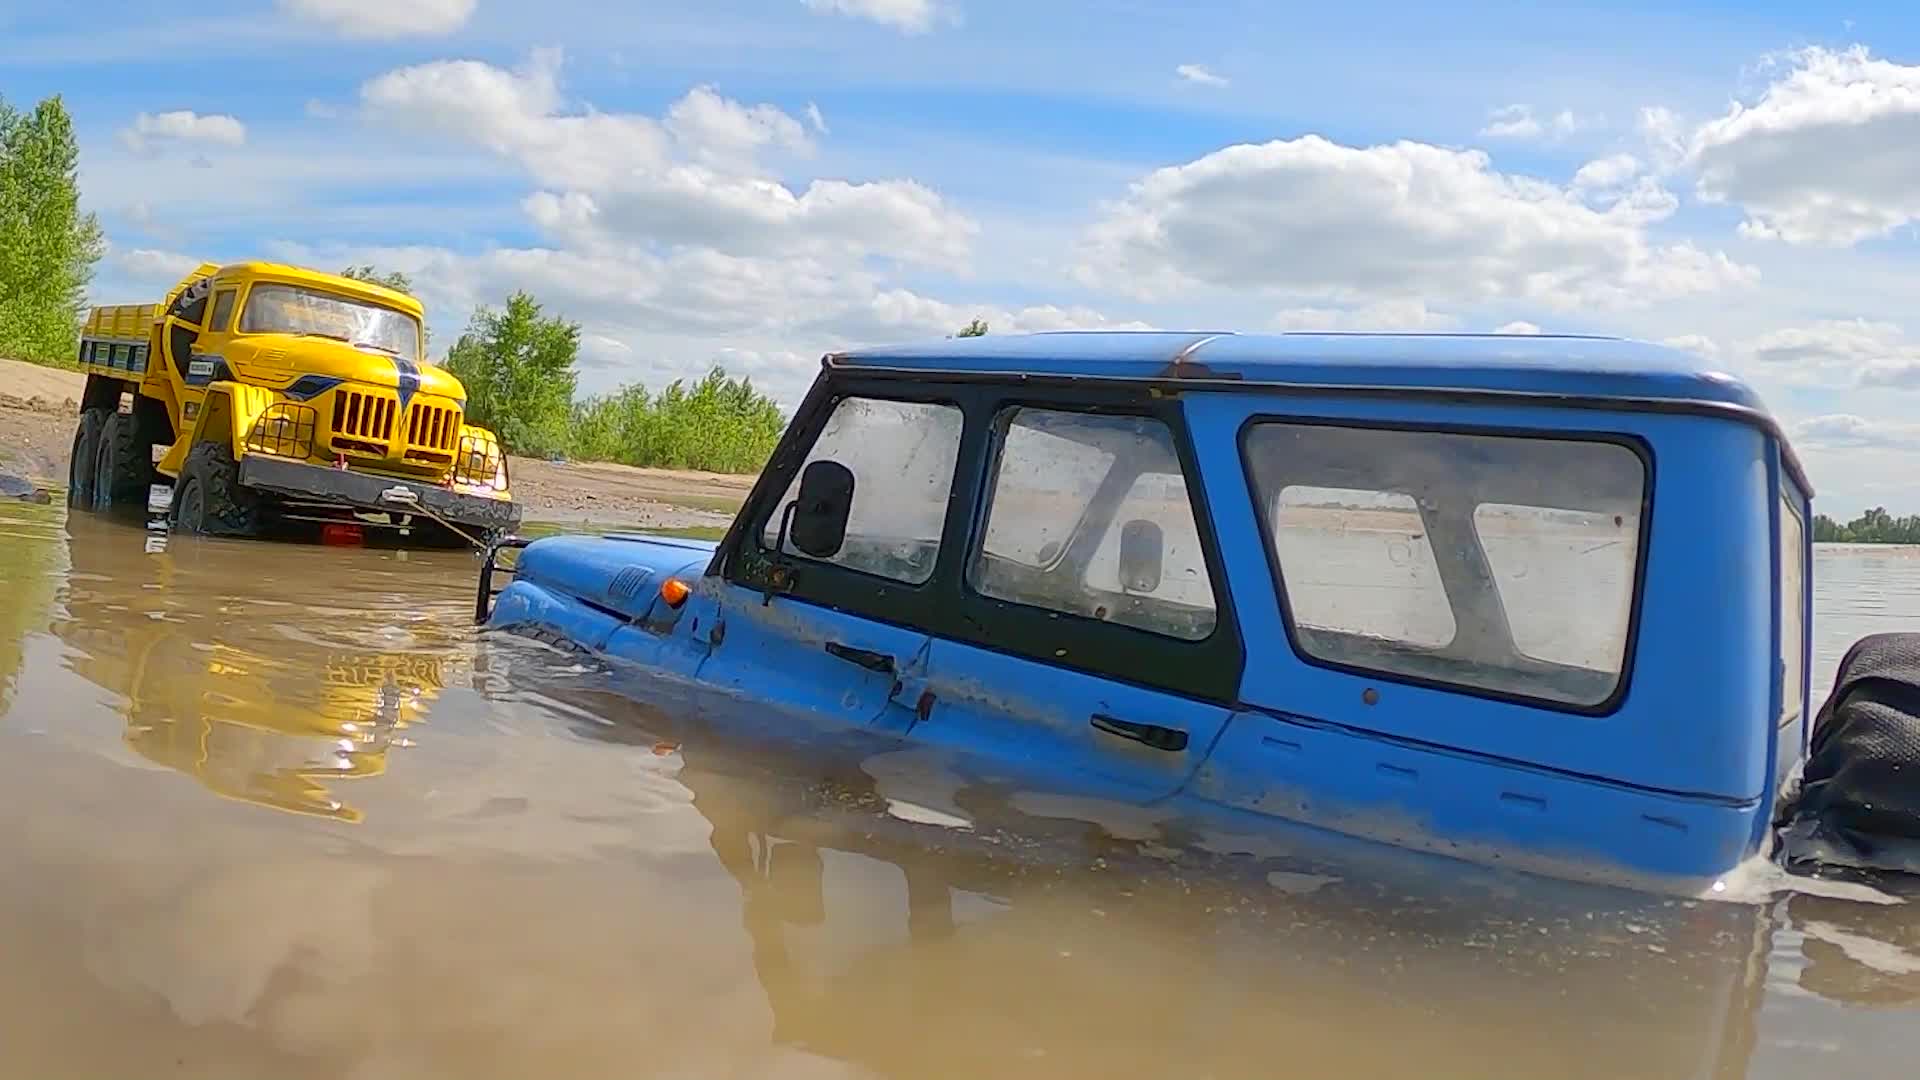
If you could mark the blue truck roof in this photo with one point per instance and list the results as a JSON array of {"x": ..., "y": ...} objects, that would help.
[{"x": 1537, "y": 364}]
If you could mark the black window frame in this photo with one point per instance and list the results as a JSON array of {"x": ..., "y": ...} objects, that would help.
[
  {"x": 945, "y": 606},
  {"x": 1638, "y": 445},
  {"x": 804, "y": 562}
]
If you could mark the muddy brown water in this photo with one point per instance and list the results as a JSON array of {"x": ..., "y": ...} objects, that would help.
[{"x": 277, "y": 811}]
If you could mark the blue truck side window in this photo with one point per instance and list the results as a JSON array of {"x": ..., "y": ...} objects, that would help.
[
  {"x": 902, "y": 455},
  {"x": 1497, "y": 563},
  {"x": 1090, "y": 516},
  {"x": 1793, "y": 612}
]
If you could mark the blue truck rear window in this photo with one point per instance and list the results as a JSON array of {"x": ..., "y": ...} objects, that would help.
[{"x": 1498, "y": 563}]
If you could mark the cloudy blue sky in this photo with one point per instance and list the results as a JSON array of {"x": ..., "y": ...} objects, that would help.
[{"x": 752, "y": 182}]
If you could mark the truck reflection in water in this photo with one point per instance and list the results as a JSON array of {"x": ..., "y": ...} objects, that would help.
[
  {"x": 1051, "y": 949},
  {"x": 224, "y": 691}
]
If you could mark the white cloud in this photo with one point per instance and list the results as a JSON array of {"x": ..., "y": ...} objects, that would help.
[
  {"x": 383, "y": 18},
  {"x": 894, "y": 313},
  {"x": 1662, "y": 130},
  {"x": 1827, "y": 155},
  {"x": 816, "y": 119},
  {"x": 154, "y": 269},
  {"x": 1311, "y": 218},
  {"x": 685, "y": 237},
  {"x": 1698, "y": 344},
  {"x": 1830, "y": 355},
  {"x": 694, "y": 179},
  {"x": 1518, "y": 326},
  {"x": 1519, "y": 122},
  {"x": 727, "y": 132},
  {"x": 1845, "y": 431},
  {"x": 1607, "y": 173},
  {"x": 910, "y": 16},
  {"x": 1387, "y": 315},
  {"x": 1198, "y": 73},
  {"x": 1837, "y": 354},
  {"x": 152, "y": 131}
]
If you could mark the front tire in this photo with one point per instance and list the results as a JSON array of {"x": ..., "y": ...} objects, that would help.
[
  {"x": 208, "y": 498},
  {"x": 123, "y": 465},
  {"x": 81, "y": 460}
]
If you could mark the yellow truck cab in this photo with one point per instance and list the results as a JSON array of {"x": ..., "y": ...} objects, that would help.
[{"x": 286, "y": 400}]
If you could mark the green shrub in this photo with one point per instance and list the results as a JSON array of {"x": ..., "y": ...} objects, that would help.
[{"x": 719, "y": 425}]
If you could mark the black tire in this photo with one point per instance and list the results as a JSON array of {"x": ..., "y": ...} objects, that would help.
[
  {"x": 208, "y": 498},
  {"x": 123, "y": 464},
  {"x": 80, "y": 461}
]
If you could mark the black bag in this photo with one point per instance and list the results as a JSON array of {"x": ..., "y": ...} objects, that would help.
[{"x": 1859, "y": 800}]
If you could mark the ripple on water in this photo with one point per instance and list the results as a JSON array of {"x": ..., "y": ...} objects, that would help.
[{"x": 362, "y": 841}]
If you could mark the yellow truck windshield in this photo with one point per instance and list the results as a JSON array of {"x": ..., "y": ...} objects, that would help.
[{"x": 290, "y": 309}]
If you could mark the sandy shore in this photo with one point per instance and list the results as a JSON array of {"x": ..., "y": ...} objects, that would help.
[{"x": 38, "y": 405}]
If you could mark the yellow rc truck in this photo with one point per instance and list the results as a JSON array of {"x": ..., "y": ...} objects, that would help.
[{"x": 288, "y": 402}]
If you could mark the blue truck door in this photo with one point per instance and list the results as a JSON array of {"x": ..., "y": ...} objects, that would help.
[
  {"x": 1069, "y": 730},
  {"x": 830, "y": 665},
  {"x": 819, "y": 638},
  {"x": 1102, "y": 655}
]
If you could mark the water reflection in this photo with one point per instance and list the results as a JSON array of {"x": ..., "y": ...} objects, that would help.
[
  {"x": 911, "y": 950},
  {"x": 560, "y": 881},
  {"x": 268, "y": 690},
  {"x": 30, "y": 552}
]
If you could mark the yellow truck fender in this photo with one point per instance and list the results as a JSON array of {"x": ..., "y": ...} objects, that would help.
[{"x": 226, "y": 413}]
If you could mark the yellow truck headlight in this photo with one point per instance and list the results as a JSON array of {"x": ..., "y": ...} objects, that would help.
[
  {"x": 479, "y": 463},
  {"x": 284, "y": 430}
]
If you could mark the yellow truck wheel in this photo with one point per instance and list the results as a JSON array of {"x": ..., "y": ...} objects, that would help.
[
  {"x": 80, "y": 462},
  {"x": 208, "y": 498},
  {"x": 123, "y": 463}
]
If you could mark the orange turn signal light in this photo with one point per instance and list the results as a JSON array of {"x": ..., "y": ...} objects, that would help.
[{"x": 674, "y": 592}]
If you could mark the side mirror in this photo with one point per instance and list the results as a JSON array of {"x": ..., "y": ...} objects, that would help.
[
  {"x": 1142, "y": 550},
  {"x": 819, "y": 517}
]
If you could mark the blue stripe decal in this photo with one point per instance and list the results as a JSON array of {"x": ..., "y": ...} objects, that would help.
[
  {"x": 308, "y": 387},
  {"x": 407, "y": 373}
]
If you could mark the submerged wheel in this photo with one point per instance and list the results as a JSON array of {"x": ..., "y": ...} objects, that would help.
[
  {"x": 123, "y": 464},
  {"x": 80, "y": 462},
  {"x": 208, "y": 498}
]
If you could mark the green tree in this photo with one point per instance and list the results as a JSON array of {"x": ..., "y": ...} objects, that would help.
[
  {"x": 48, "y": 248},
  {"x": 976, "y": 328},
  {"x": 517, "y": 366},
  {"x": 394, "y": 280},
  {"x": 719, "y": 424},
  {"x": 1876, "y": 526}
]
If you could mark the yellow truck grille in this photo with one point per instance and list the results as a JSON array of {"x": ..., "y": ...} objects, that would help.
[
  {"x": 423, "y": 434},
  {"x": 433, "y": 428},
  {"x": 363, "y": 417}
]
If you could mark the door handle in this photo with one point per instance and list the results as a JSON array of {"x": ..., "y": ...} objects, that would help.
[
  {"x": 1171, "y": 740},
  {"x": 866, "y": 658}
]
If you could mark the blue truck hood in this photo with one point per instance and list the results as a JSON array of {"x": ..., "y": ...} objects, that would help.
[{"x": 621, "y": 572}]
